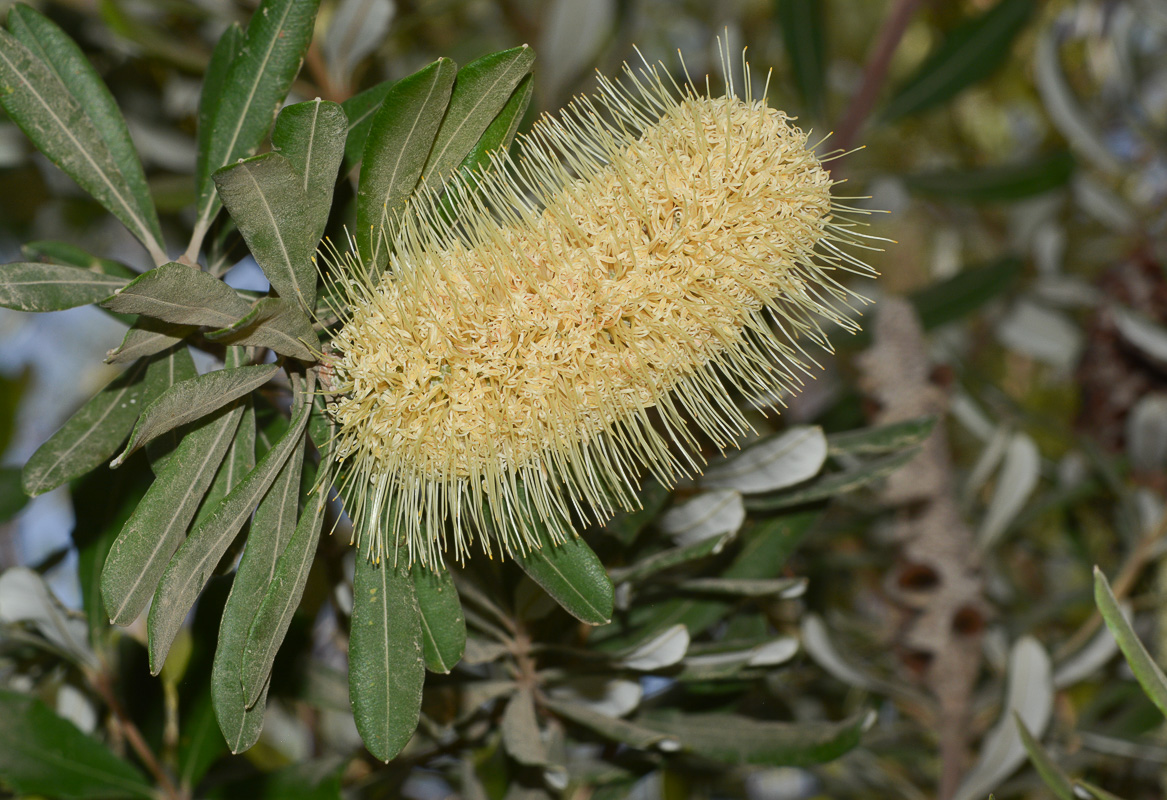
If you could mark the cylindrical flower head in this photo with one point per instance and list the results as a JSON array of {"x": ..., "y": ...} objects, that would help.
[{"x": 601, "y": 297}]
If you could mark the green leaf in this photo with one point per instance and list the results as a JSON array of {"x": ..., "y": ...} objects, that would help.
[
  {"x": 969, "y": 54},
  {"x": 165, "y": 371},
  {"x": 442, "y": 624},
  {"x": 146, "y": 337},
  {"x": 396, "y": 150},
  {"x": 281, "y": 598},
  {"x": 275, "y": 323},
  {"x": 253, "y": 89},
  {"x": 482, "y": 89},
  {"x": 193, "y": 399},
  {"x": 240, "y": 713},
  {"x": 501, "y": 132},
  {"x": 626, "y": 526},
  {"x": 155, "y": 530},
  {"x": 572, "y": 574},
  {"x": 312, "y": 136},
  {"x": 1003, "y": 184},
  {"x": 192, "y": 566},
  {"x": 1097, "y": 792},
  {"x": 733, "y": 739},
  {"x": 226, "y": 50},
  {"x": 1051, "y": 774},
  {"x": 804, "y": 32},
  {"x": 42, "y": 106},
  {"x": 952, "y": 299},
  {"x": 71, "y": 255},
  {"x": 744, "y": 587},
  {"x": 239, "y": 461},
  {"x": 199, "y": 742},
  {"x": 91, "y": 435},
  {"x": 12, "y": 497},
  {"x": 265, "y": 198},
  {"x": 34, "y": 286},
  {"x": 386, "y": 667},
  {"x": 831, "y": 485},
  {"x": 62, "y": 55},
  {"x": 109, "y": 499},
  {"x": 667, "y": 559},
  {"x": 42, "y": 754},
  {"x": 881, "y": 438},
  {"x": 1147, "y": 672},
  {"x": 360, "y": 110},
  {"x": 177, "y": 293},
  {"x": 613, "y": 728}
]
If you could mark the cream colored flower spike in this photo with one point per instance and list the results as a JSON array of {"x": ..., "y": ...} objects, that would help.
[{"x": 647, "y": 253}]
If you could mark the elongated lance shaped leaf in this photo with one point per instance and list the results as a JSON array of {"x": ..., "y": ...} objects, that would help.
[
  {"x": 572, "y": 574},
  {"x": 34, "y": 286},
  {"x": 275, "y": 323},
  {"x": 279, "y": 602},
  {"x": 188, "y": 572},
  {"x": 611, "y": 728},
  {"x": 226, "y": 50},
  {"x": 360, "y": 110},
  {"x": 62, "y": 55},
  {"x": 146, "y": 337},
  {"x": 265, "y": 198},
  {"x": 1001, "y": 184},
  {"x": 180, "y": 294},
  {"x": 481, "y": 90},
  {"x": 386, "y": 667},
  {"x": 92, "y": 435},
  {"x": 167, "y": 370},
  {"x": 1147, "y": 672},
  {"x": 239, "y": 461},
  {"x": 194, "y": 398},
  {"x": 501, "y": 131},
  {"x": 311, "y": 136},
  {"x": 253, "y": 89},
  {"x": 70, "y": 255},
  {"x": 969, "y": 54},
  {"x": 43, "y": 107},
  {"x": 240, "y": 715},
  {"x": 155, "y": 530},
  {"x": 442, "y": 624},
  {"x": 396, "y": 150},
  {"x": 804, "y": 31}
]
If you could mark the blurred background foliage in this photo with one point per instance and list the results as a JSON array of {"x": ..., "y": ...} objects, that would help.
[{"x": 1019, "y": 150}]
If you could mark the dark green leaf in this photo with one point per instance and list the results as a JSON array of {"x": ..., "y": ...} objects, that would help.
[
  {"x": 193, "y": 399},
  {"x": 572, "y": 574},
  {"x": 396, "y": 150},
  {"x": 91, "y": 435},
  {"x": 360, "y": 110},
  {"x": 239, "y": 461},
  {"x": 481, "y": 91},
  {"x": 969, "y": 54},
  {"x": 310, "y": 780},
  {"x": 192, "y": 566},
  {"x": 1147, "y": 672},
  {"x": 177, "y": 293},
  {"x": 442, "y": 624},
  {"x": 827, "y": 486},
  {"x": 146, "y": 337},
  {"x": 36, "y": 286},
  {"x": 155, "y": 530},
  {"x": 282, "y": 597},
  {"x": 627, "y": 525},
  {"x": 165, "y": 371},
  {"x": 804, "y": 32},
  {"x": 253, "y": 89},
  {"x": 42, "y": 754},
  {"x": 613, "y": 728},
  {"x": 12, "y": 496},
  {"x": 240, "y": 714},
  {"x": 62, "y": 55},
  {"x": 667, "y": 559},
  {"x": 386, "y": 667},
  {"x": 71, "y": 255},
  {"x": 1051, "y": 774},
  {"x": 881, "y": 439},
  {"x": 312, "y": 135},
  {"x": 43, "y": 107},
  {"x": 275, "y": 323},
  {"x": 963, "y": 293},
  {"x": 265, "y": 198},
  {"x": 733, "y": 739},
  {"x": 226, "y": 50},
  {"x": 1004, "y": 184},
  {"x": 501, "y": 132}
]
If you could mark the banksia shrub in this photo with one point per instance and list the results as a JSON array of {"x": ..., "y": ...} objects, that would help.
[{"x": 513, "y": 349}]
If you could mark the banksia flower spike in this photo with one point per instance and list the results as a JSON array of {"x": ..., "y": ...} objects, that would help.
[{"x": 590, "y": 314}]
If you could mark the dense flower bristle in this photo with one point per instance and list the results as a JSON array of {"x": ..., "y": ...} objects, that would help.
[{"x": 651, "y": 249}]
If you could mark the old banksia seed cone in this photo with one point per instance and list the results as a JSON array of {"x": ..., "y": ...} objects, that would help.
[{"x": 645, "y": 254}]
